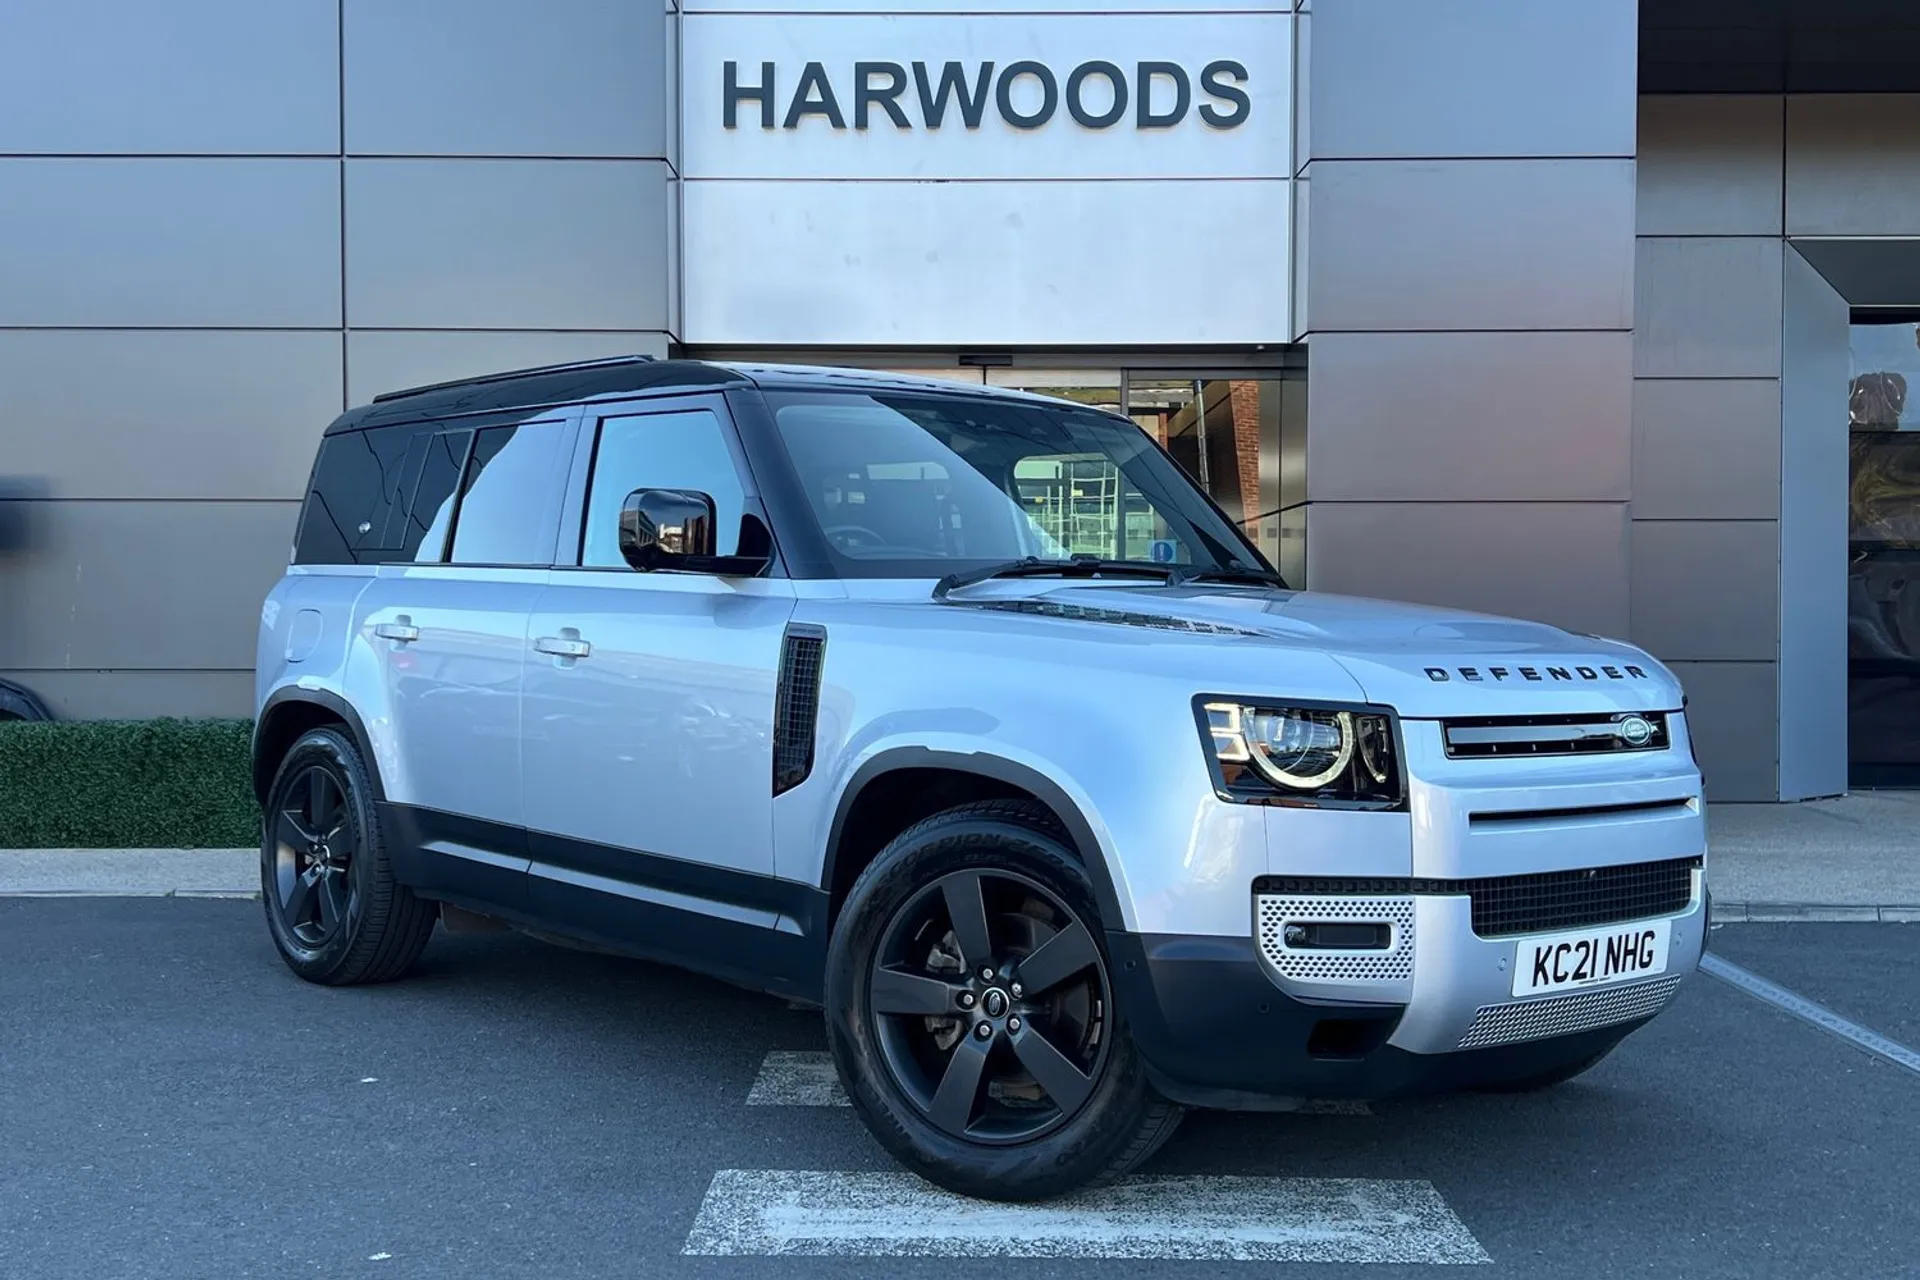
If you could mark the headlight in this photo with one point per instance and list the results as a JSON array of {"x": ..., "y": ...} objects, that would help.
[{"x": 1304, "y": 755}]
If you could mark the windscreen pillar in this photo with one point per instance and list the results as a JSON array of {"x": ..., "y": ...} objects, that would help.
[{"x": 1464, "y": 249}]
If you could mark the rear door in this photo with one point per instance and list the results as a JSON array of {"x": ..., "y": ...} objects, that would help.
[
  {"x": 445, "y": 625},
  {"x": 650, "y": 700}
]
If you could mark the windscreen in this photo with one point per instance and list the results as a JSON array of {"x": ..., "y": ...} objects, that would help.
[{"x": 921, "y": 484}]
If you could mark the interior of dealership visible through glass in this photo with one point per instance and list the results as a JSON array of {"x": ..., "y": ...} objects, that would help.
[{"x": 1883, "y": 614}]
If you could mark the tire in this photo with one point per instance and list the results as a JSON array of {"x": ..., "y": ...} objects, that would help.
[
  {"x": 337, "y": 915},
  {"x": 995, "y": 1140},
  {"x": 1547, "y": 1079},
  {"x": 19, "y": 703}
]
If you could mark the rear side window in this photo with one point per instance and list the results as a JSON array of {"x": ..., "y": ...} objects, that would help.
[
  {"x": 358, "y": 482},
  {"x": 507, "y": 504},
  {"x": 424, "y": 495},
  {"x": 430, "y": 515}
]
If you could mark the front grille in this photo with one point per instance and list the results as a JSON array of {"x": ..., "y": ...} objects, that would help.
[
  {"x": 1509, "y": 905},
  {"x": 1395, "y": 964},
  {"x": 1497, "y": 1024},
  {"x": 1505, "y": 737},
  {"x": 1506, "y": 906}
]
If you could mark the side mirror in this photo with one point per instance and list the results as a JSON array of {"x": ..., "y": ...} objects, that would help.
[{"x": 667, "y": 529}]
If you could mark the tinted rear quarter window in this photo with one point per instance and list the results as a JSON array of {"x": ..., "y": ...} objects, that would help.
[{"x": 358, "y": 480}]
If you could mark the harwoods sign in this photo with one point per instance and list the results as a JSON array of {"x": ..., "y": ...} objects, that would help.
[{"x": 1026, "y": 94}]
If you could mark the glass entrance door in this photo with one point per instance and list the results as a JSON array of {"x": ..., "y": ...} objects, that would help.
[{"x": 1883, "y": 573}]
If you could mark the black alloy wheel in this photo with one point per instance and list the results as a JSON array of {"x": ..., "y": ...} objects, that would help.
[
  {"x": 313, "y": 853},
  {"x": 973, "y": 1017},
  {"x": 991, "y": 1001},
  {"x": 337, "y": 914}
]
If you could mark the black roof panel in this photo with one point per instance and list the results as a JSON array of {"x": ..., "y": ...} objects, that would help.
[{"x": 593, "y": 379}]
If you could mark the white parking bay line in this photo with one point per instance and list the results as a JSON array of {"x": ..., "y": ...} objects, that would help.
[
  {"x": 806, "y": 1078},
  {"x": 797, "y": 1078},
  {"x": 1819, "y": 1015},
  {"x": 768, "y": 1213}
]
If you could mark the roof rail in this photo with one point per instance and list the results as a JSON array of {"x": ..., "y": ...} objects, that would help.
[{"x": 570, "y": 366}]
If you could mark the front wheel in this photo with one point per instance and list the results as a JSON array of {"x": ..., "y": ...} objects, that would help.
[{"x": 973, "y": 1017}]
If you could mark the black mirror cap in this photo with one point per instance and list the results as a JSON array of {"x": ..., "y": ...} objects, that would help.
[{"x": 674, "y": 529}]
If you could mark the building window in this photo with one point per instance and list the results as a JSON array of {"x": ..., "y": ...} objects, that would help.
[{"x": 1883, "y": 575}]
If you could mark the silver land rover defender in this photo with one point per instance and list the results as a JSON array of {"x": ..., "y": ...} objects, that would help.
[{"x": 965, "y": 715}]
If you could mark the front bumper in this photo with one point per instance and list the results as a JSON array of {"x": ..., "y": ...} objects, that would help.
[{"x": 1219, "y": 1024}]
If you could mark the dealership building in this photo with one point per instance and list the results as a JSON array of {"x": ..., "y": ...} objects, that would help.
[{"x": 1599, "y": 312}]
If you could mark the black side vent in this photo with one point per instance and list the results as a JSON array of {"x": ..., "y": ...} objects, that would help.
[{"x": 796, "y": 704}]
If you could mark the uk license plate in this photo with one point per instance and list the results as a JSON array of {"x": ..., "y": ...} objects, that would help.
[{"x": 1590, "y": 957}]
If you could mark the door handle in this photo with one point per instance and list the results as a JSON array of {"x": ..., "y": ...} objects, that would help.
[
  {"x": 568, "y": 646},
  {"x": 402, "y": 630}
]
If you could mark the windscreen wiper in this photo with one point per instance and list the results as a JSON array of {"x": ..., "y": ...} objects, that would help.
[
  {"x": 1235, "y": 572},
  {"x": 1035, "y": 567}
]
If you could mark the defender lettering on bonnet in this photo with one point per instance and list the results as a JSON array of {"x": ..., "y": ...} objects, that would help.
[{"x": 1537, "y": 675}]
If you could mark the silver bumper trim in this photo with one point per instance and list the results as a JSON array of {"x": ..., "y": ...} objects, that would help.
[{"x": 1496, "y": 1024}]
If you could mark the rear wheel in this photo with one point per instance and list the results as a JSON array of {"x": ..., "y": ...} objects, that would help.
[
  {"x": 973, "y": 1019},
  {"x": 336, "y": 913}
]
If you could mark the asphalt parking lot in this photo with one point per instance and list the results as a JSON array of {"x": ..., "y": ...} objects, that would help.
[{"x": 177, "y": 1104}]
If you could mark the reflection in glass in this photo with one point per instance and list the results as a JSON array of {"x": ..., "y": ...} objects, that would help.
[
  {"x": 1883, "y": 613},
  {"x": 1226, "y": 433}
]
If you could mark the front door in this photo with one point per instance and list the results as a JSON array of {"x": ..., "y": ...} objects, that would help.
[{"x": 648, "y": 705}]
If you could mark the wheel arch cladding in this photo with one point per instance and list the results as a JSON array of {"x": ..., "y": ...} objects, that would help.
[
  {"x": 898, "y": 788},
  {"x": 292, "y": 713}
]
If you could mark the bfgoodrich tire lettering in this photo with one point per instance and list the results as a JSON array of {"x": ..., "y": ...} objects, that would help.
[
  {"x": 335, "y": 911},
  {"x": 1050, "y": 1096}
]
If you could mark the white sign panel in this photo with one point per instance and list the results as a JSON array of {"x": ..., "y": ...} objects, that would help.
[
  {"x": 997, "y": 179},
  {"x": 1047, "y": 96},
  {"x": 986, "y": 263}
]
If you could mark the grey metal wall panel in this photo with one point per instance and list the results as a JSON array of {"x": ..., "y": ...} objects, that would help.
[
  {"x": 506, "y": 77},
  {"x": 163, "y": 242},
  {"x": 1495, "y": 244},
  {"x": 140, "y": 695},
  {"x": 1853, "y": 165},
  {"x": 146, "y": 585},
  {"x": 1302, "y": 87},
  {"x": 1733, "y": 710},
  {"x": 182, "y": 78},
  {"x": 1562, "y": 563},
  {"x": 1292, "y": 558},
  {"x": 507, "y": 244},
  {"x": 1706, "y": 590},
  {"x": 1412, "y": 78},
  {"x": 670, "y": 86},
  {"x": 1710, "y": 165},
  {"x": 167, "y": 413},
  {"x": 1813, "y": 536},
  {"x": 380, "y": 360},
  {"x": 1300, "y": 203},
  {"x": 1706, "y": 449},
  {"x": 1296, "y": 401},
  {"x": 1471, "y": 416},
  {"x": 1708, "y": 308}
]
